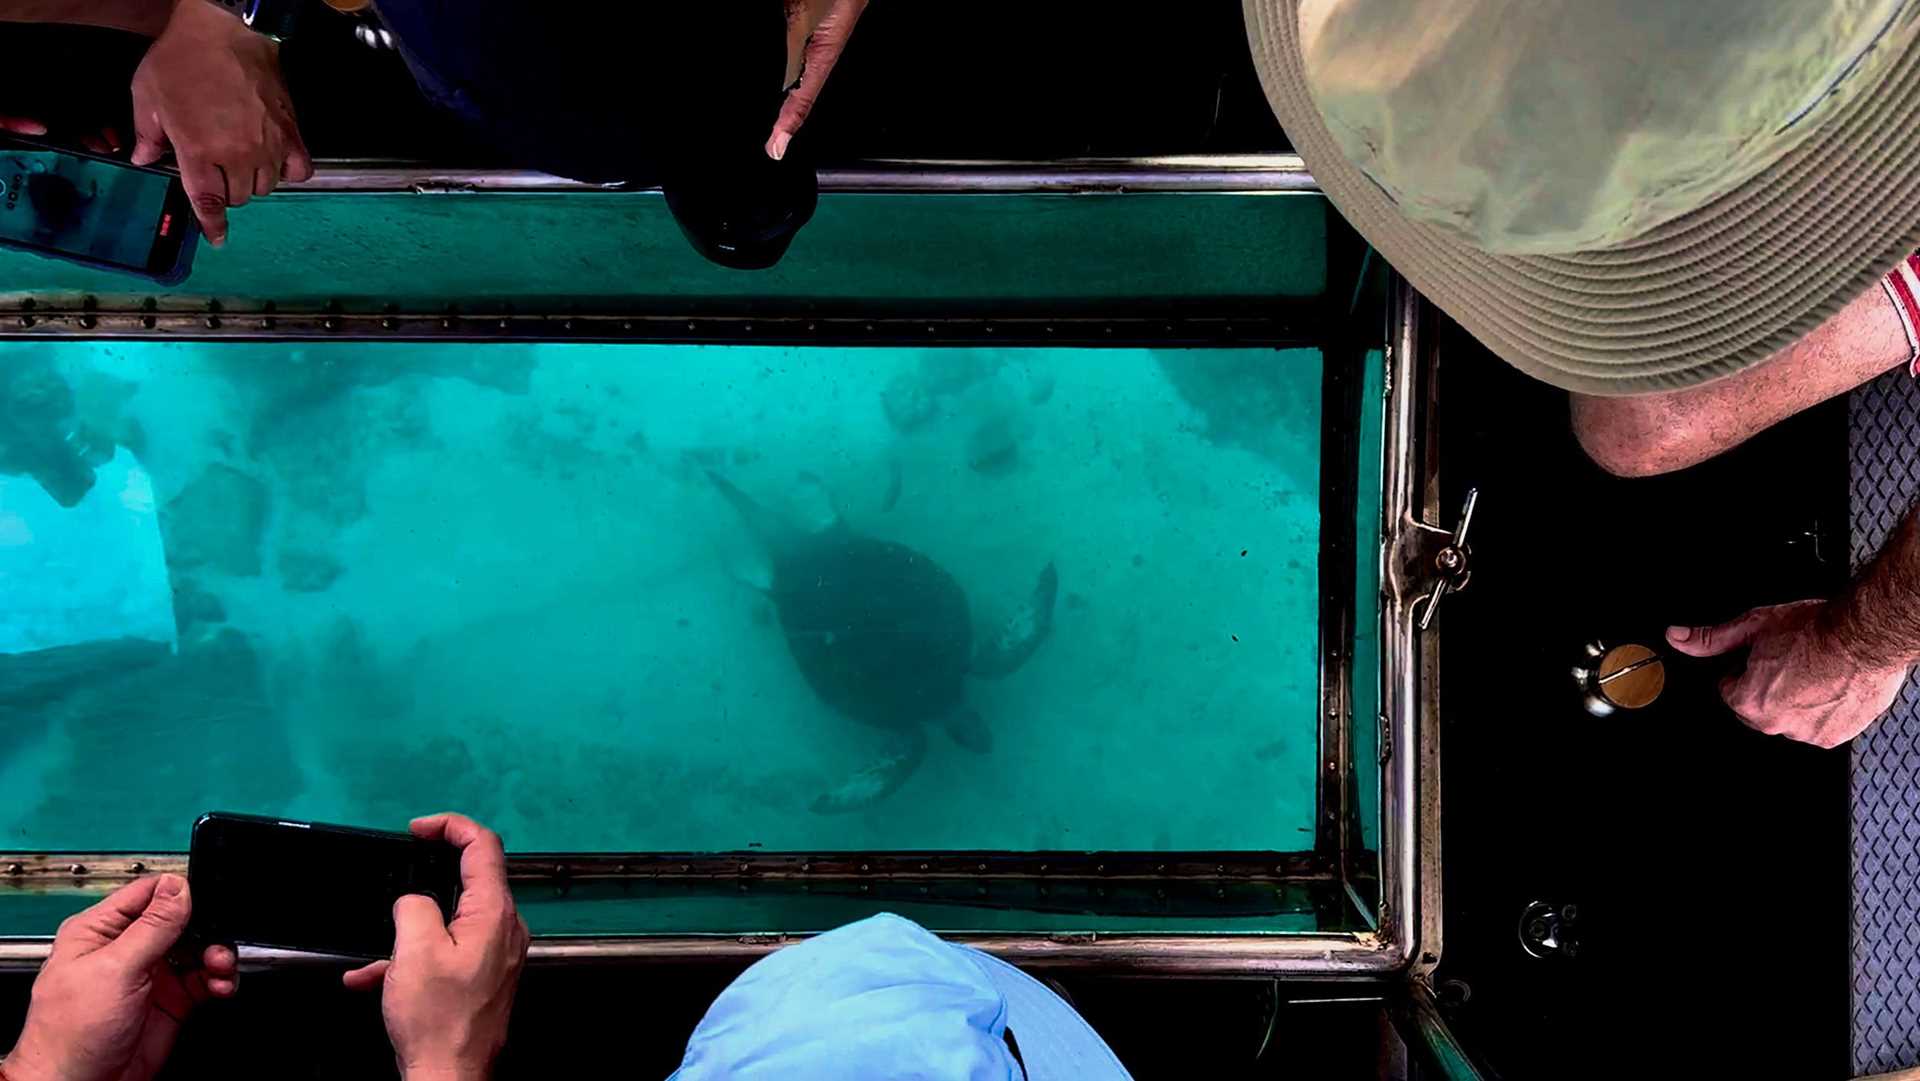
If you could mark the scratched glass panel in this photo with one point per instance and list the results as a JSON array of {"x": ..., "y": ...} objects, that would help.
[{"x": 661, "y": 597}]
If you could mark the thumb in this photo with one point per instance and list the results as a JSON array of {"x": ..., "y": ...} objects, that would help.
[
  {"x": 417, "y": 925},
  {"x": 366, "y": 977},
  {"x": 1715, "y": 640},
  {"x": 148, "y": 938}
]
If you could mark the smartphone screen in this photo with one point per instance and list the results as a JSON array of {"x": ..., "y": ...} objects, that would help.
[
  {"x": 92, "y": 209},
  {"x": 308, "y": 886}
]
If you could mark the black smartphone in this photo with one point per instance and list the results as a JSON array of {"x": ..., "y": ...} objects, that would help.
[
  {"x": 309, "y": 886},
  {"x": 95, "y": 211}
]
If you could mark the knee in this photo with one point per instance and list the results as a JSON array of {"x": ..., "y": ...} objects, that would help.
[{"x": 1629, "y": 437}]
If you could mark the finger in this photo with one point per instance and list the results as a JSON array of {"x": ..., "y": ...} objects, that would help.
[
  {"x": 206, "y": 186},
  {"x": 298, "y": 166},
  {"x": 112, "y": 135},
  {"x": 1722, "y": 638},
  {"x": 153, "y": 932},
  {"x": 106, "y": 920},
  {"x": 264, "y": 180},
  {"x": 822, "y": 53},
  {"x": 417, "y": 925},
  {"x": 366, "y": 977},
  {"x": 20, "y": 125},
  {"x": 483, "y": 864},
  {"x": 220, "y": 961},
  {"x": 96, "y": 143},
  {"x": 201, "y": 985},
  {"x": 239, "y": 182}
]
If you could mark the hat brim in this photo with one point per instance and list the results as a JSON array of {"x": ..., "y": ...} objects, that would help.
[
  {"x": 1056, "y": 1043},
  {"x": 1707, "y": 295}
]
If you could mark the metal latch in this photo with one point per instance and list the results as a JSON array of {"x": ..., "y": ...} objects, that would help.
[{"x": 1447, "y": 568}]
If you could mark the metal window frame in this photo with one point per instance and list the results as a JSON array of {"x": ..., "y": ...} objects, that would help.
[
  {"x": 1407, "y": 934},
  {"x": 1212, "y": 174}
]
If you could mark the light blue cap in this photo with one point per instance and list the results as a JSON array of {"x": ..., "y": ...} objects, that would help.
[{"x": 886, "y": 998}]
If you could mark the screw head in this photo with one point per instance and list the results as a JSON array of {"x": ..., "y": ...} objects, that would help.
[{"x": 1537, "y": 931}]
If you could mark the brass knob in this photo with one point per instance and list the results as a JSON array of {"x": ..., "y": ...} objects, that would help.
[{"x": 1621, "y": 677}]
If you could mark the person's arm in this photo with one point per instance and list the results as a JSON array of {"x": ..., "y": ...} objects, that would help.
[
  {"x": 1658, "y": 433},
  {"x": 1822, "y": 671},
  {"x": 144, "y": 17},
  {"x": 817, "y": 33},
  {"x": 448, "y": 990},
  {"x": 209, "y": 89},
  {"x": 1878, "y": 623}
]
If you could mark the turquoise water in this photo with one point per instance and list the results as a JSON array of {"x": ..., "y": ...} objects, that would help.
[{"x": 390, "y": 579}]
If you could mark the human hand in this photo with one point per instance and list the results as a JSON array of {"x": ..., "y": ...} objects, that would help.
[
  {"x": 448, "y": 990},
  {"x": 211, "y": 88},
  {"x": 1801, "y": 680},
  {"x": 107, "y": 1005},
  {"x": 818, "y": 33}
]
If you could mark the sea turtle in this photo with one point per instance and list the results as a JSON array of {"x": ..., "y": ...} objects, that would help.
[{"x": 883, "y": 634}]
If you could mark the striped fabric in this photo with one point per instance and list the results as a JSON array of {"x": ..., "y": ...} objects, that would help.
[{"x": 1903, "y": 288}]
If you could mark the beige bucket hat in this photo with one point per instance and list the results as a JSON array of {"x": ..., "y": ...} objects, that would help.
[{"x": 1615, "y": 197}]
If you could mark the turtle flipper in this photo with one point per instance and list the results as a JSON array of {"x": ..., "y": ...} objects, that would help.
[
  {"x": 1011, "y": 643},
  {"x": 878, "y": 779}
]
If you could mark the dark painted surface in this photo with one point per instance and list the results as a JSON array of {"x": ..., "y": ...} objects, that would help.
[
  {"x": 994, "y": 80},
  {"x": 619, "y": 1022},
  {"x": 1709, "y": 863}
]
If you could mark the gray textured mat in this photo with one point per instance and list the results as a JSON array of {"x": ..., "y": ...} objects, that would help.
[{"x": 1885, "y": 440}]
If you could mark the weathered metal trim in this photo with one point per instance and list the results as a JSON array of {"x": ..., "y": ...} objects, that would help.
[
  {"x": 1329, "y": 955},
  {"x": 101, "y": 871},
  {"x": 1244, "y": 174},
  {"x": 137, "y": 317},
  {"x": 1345, "y": 956},
  {"x": 1339, "y": 472},
  {"x": 1428, "y": 1034},
  {"x": 1410, "y": 813}
]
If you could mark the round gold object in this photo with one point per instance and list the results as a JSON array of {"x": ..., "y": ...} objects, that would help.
[{"x": 1630, "y": 677}]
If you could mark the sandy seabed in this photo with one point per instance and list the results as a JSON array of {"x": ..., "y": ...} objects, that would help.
[{"x": 495, "y": 578}]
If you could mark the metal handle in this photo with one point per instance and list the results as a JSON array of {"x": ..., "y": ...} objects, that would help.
[{"x": 1452, "y": 564}]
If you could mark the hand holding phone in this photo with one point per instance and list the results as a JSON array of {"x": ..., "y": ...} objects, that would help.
[
  {"x": 107, "y": 1004},
  {"x": 310, "y": 886},
  {"x": 211, "y": 88},
  {"x": 448, "y": 990}
]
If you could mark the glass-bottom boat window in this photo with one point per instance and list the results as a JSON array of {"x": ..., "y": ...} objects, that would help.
[{"x": 662, "y": 598}]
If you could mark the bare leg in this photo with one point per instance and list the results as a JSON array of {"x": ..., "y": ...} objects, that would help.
[{"x": 1659, "y": 433}]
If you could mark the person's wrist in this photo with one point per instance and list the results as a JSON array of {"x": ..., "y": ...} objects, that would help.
[
  {"x": 1852, "y": 635},
  {"x": 444, "y": 1073},
  {"x": 25, "y": 1063}
]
